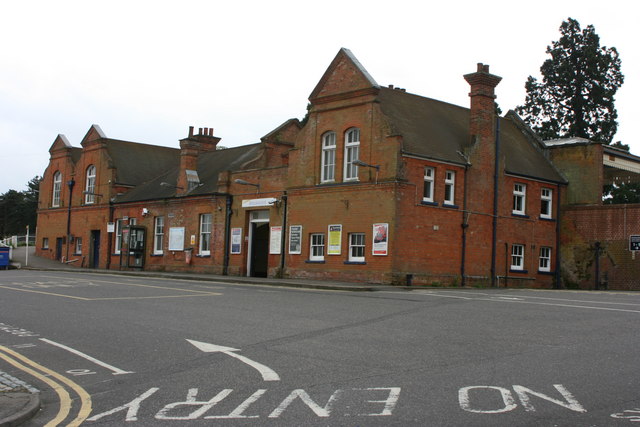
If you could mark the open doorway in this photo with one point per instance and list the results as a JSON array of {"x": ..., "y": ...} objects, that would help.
[{"x": 259, "y": 244}]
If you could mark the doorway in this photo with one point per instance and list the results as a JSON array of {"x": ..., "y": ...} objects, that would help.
[
  {"x": 59, "y": 242},
  {"x": 259, "y": 244},
  {"x": 94, "y": 254}
]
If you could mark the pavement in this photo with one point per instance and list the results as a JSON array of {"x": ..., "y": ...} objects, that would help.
[{"x": 19, "y": 401}]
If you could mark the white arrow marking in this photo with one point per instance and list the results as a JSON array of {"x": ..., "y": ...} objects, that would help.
[{"x": 267, "y": 373}]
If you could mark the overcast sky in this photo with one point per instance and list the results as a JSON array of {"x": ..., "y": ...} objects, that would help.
[{"x": 147, "y": 70}]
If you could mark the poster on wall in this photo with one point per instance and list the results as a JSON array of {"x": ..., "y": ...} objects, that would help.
[
  {"x": 275, "y": 240},
  {"x": 295, "y": 239},
  {"x": 176, "y": 239},
  {"x": 634, "y": 243},
  {"x": 236, "y": 240},
  {"x": 380, "y": 239},
  {"x": 335, "y": 239}
]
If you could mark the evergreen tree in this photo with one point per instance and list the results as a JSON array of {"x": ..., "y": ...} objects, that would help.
[
  {"x": 19, "y": 209},
  {"x": 579, "y": 82}
]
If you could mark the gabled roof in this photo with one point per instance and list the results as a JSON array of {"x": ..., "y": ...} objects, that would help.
[
  {"x": 440, "y": 131},
  {"x": 345, "y": 74},
  {"x": 210, "y": 164}
]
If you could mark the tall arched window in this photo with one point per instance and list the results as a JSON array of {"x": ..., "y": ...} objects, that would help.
[
  {"x": 328, "y": 157},
  {"x": 57, "y": 188},
  {"x": 351, "y": 153},
  {"x": 90, "y": 186}
]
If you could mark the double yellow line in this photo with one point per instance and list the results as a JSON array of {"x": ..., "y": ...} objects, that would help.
[{"x": 49, "y": 377}]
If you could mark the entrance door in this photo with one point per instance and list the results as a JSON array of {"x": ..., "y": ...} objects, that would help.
[
  {"x": 58, "y": 248},
  {"x": 259, "y": 249},
  {"x": 94, "y": 256}
]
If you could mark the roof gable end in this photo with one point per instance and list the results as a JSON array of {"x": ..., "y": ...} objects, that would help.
[
  {"x": 94, "y": 134},
  {"x": 345, "y": 74}
]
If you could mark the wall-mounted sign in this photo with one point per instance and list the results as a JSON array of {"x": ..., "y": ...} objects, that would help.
[
  {"x": 236, "y": 240},
  {"x": 275, "y": 240},
  {"x": 335, "y": 239},
  {"x": 634, "y": 243},
  {"x": 380, "y": 239},
  {"x": 255, "y": 203},
  {"x": 295, "y": 239},
  {"x": 111, "y": 227},
  {"x": 176, "y": 239}
]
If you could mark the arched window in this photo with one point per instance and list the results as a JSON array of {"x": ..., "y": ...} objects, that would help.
[
  {"x": 57, "y": 188},
  {"x": 351, "y": 153},
  {"x": 90, "y": 186},
  {"x": 328, "y": 157}
]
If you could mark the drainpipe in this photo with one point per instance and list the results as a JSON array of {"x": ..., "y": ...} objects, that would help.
[
  {"x": 284, "y": 233},
  {"x": 495, "y": 204},
  {"x": 465, "y": 223},
  {"x": 597, "y": 250},
  {"x": 558, "y": 285},
  {"x": 70, "y": 184},
  {"x": 227, "y": 235}
]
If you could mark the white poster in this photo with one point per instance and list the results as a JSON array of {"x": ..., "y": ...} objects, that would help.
[
  {"x": 236, "y": 240},
  {"x": 380, "y": 239},
  {"x": 176, "y": 238},
  {"x": 275, "y": 241}
]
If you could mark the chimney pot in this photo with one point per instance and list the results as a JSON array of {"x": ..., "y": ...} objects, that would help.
[
  {"x": 199, "y": 131},
  {"x": 210, "y": 131},
  {"x": 190, "y": 131}
]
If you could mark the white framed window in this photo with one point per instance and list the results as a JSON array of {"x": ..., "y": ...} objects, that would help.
[
  {"x": 205, "y": 234},
  {"x": 546, "y": 205},
  {"x": 544, "y": 263},
  {"x": 427, "y": 192},
  {"x": 77, "y": 250},
  {"x": 118, "y": 237},
  {"x": 519, "y": 198},
  {"x": 57, "y": 188},
  {"x": 356, "y": 247},
  {"x": 316, "y": 251},
  {"x": 517, "y": 257},
  {"x": 45, "y": 243},
  {"x": 351, "y": 154},
  {"x": 90, "y": 185},
  {"x": 449, "y": 188},
  {"x": 328, "y": 173},
  {"x": 158, "y": 235}
]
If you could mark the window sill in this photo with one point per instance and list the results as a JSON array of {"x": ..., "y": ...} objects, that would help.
[
  {"x": 203, "y": 255},
  {"x": 449, "y": 205},
  {"x": 543, "y": 218},
  {"x": 162, "y": 254},
  {"x": 511, "y": 270},
  {"x": 309, "y": 261},
  {"x": 519, "y": 215},
  {"x": 546, "y": 273},
  {"x": 426, "y": 203},
  {"x": 355, "y": 263}
]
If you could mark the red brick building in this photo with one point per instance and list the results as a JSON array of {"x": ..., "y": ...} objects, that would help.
[{"x": 375, "y": 184}]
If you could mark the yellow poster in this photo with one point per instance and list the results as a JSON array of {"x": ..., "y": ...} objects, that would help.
[{"x": 335, "y": 239}]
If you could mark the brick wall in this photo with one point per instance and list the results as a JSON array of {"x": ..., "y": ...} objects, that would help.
[{"x": 611, "y": 226}]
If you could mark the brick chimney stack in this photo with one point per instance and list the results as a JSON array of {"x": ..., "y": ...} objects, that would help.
[
  {"x": 483, "y": 110},
  {"x": 190, "y": 149}
]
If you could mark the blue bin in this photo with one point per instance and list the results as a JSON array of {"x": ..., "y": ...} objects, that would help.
[{"x": 4, "y": 257}]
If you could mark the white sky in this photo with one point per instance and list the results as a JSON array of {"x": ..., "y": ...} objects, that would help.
[{"x": 147, "y": 70}]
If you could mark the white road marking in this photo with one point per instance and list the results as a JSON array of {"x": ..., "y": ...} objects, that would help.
[
  {"x": 116, "y": 371},
  {"x": 267, "y": 373}
]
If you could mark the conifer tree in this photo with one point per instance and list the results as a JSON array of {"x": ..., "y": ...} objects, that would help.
[{"x": 576, "y": 95}]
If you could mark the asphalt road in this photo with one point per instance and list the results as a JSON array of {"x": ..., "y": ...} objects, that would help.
[{"x": 153, "y": 351}]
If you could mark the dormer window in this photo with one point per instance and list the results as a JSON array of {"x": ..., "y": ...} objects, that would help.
[
  {"x": 351, "y": 154},
  {"x": 57, "y": 188},
  {"x": 328, "y": 172},
  {"x": 90, "y": 186},
  {"x": 192, "y": 180}
]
